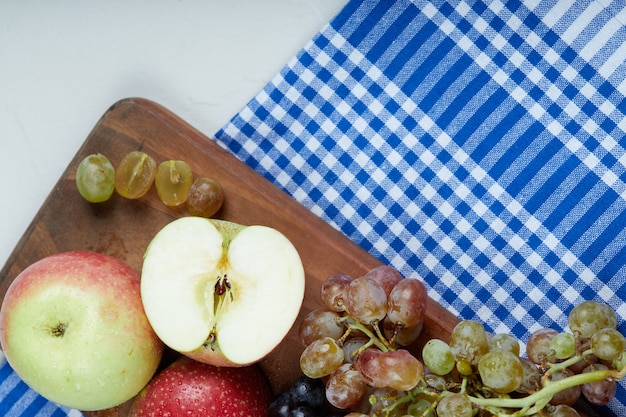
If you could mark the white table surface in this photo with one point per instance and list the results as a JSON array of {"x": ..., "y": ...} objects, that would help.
[{"x": 62, "y": 64}]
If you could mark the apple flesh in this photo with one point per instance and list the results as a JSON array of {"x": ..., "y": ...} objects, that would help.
[
  {"x": 72, "y": 326},
  {"x": 219, "y": 292},
  {"x": 192, "y": 388}
]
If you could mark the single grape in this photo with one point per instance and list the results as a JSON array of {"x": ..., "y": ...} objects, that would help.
[
  {"x": 599, "y": 392},
  {"x": 345, "y": 387},
  {"x": 135, "y": 175},
  {"x": 302, "y": 411},
  {"x": 366, "y": 300},
  {"x": 607, "y": 343},
  {"x": 400, "y": 335},
  {"x": 407, "y": 302},
  {"x": 206, "y": 197},
  {"x": 588, "y": 317},
  {"x": 401, "y": 370},
  {"x": 538, "y": 345},
  {"x": 320, "y": 323},
  {"x": 369, "y": 366},
  {"x": 468, "y": 343},
  {"x": 438, "y": 357},
  {"x": 334, "y": 290},
  {"x": 501, "y": 371},
  {"x": 568, "y": 396},
  {"x": 531, "y": 380},
  {"x": 306, "y": 391},
  {"x": 173, "y": 181},
  {"x": 279, "y": 407},
  {"x": 95, "y": 178},
  {"x": 455, "y": 405},
  {"x": 563, "y": 411},
  {"x": 321, "y": 358},
  {"x": 504, "y": 341},
  {"x": 620, "y": 361},
  {"x": 421, "y": 406},
  {"x": 387, "y": 276},
  {"x": 563, "y": 345},
  {"x": 384, "y": 397},
  {"x": 352, "y": 347},
  {"x": 437, "y": 382}
]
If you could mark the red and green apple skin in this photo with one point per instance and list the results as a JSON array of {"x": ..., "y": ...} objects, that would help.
[{"x": 73, "y": 327}]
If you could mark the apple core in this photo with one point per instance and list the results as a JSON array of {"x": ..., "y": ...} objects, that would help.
[{"x": 227, "y": 290}]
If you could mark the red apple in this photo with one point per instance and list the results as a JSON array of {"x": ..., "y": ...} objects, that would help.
[
  {"x": 191, "y": 388},
  {"x": 72, "y": 326}
]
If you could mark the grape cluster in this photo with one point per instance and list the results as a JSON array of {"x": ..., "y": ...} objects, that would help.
[
  {"x": 97, "y": 179},
  {"x": 305, "y": 398},
  {"x": 357, "y": 345},
  {"x": 355, "y": 341}
]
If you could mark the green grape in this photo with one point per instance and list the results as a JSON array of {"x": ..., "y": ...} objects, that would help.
[
  {"x": 607, "y": 344},
  {"x": 135, "y": 175},
  {"x": 455, "y": 405},
  {"x": 421, "y": 406},
  {"x": 590, "y": 316},
  {"x": 95, "y": 178},
  {"x": 468, "y": 343},
  {"x": 563, "y": 411},
  {"x": 173, "y": 181},
  {"x": 620, "y": 361},
  {"x": 206, "y": 197},
  {"x": 504, "y": 341},
  {"x": 321, "y": 358},
  {"x": 437, "y": 357},
  {"x": 563, "y": 345},
  {"x": 501, "y": 371}
]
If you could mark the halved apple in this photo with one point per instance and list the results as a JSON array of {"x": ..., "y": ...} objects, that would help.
[{"x": 221, "y": 293}]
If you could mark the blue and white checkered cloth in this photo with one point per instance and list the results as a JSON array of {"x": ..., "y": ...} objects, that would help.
[
  {"x": 17, "y": 400},
  {"x": 479, "y": 145}
]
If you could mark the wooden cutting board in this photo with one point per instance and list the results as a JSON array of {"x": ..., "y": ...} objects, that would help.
[{"x": 123, "y": 228}]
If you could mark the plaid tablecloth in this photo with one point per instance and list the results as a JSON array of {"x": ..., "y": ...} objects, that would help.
[{"x": 479, "y": 145}]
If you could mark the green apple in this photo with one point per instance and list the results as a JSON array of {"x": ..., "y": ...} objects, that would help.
[
  {"x": 221, "y": 293},
  {"x": 72, "y": 326},
  {"x": 191, "y": 388}
]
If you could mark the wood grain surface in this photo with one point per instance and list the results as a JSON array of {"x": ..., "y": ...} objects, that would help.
[{"x": 123, "y": 228}]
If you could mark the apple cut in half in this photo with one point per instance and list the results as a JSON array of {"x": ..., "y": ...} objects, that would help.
[{"x": 219, "y": 292}]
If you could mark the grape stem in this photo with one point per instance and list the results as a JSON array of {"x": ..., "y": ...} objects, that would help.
[
  {"x": 375, "y": 339},
  {"x": 536, "y": 401}
]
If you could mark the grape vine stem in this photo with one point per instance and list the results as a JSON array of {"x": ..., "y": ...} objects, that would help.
[{"x": 536, "y": 401}]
